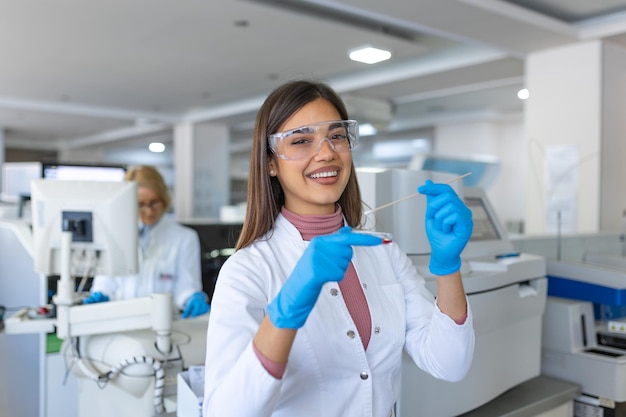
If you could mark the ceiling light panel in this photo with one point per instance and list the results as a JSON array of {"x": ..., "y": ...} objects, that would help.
[{"x": 369, "y": 55}]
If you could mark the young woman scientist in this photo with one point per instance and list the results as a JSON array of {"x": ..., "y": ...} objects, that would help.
[
  {"x": 169, "y": 253},
  {"x": 308, "y": 318}
]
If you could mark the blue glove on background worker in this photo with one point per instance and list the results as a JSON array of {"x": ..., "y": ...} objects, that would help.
[
  {"x": 96, "y": 297},
  {"x": 196, "y": 305},
  {"x": 448, "y": 227},
  {"x": 325, "y": 259}
]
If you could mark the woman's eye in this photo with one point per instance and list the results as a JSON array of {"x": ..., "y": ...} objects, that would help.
[
  {"x": 300, "y": 141},
  {"x": 339, "y": 136}
]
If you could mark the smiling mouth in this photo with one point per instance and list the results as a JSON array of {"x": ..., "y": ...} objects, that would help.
[{"x": 323, "y": 174}]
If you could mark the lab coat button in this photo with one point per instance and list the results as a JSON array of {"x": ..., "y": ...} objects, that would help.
[
  {"x": 376, "y": 330},
  {"x": 334, "y": 292},
  {"x": 364, "y": 376},
  {"x": 351, "y": 334},
  {"x": 365, "y": 285}
]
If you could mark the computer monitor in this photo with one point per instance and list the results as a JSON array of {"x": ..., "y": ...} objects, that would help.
[
  {"x": 488, "y": 236},
  {"x": 102, "y": 216},
  {"x": 83, "y": 172}
]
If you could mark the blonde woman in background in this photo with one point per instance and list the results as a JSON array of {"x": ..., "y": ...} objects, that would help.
[{"x": 169, "y": 253}]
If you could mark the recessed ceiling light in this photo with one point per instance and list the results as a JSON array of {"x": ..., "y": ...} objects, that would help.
[
  {"x": 156, "y": 147},
  {"x": 523, "y": 94},
  {"x": 369, "y": 55}
]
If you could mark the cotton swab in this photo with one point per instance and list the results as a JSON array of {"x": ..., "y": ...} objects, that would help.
[{"x": 413, "y": 195}]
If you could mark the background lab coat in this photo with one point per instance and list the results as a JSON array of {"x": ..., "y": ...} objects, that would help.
[
  {"x": 329, "y": 373},
  {"x": 169, "y": 264}
]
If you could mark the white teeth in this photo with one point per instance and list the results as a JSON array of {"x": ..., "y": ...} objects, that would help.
[{"x": 324, "y": 174}]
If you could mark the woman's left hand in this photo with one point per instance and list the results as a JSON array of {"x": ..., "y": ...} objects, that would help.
[{"x": 448, "y": 227}]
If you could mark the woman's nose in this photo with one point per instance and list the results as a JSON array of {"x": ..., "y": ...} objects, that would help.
[{"x": 329, "y": 146}]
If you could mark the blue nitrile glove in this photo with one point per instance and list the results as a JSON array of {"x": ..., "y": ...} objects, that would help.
[
  {"x": 96, "y": 297},
  {"x": 196, "y": 305},
  {"x": 448, "y": 227},
  {"x": 325, "y": 259}
]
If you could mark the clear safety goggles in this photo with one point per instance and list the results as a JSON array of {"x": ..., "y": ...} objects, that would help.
[{"x": 304, "y": 142}]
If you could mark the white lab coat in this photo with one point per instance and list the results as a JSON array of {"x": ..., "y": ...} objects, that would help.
[
  {"x": 169, "y": 264},
  {"x": 328, "y": 373}
]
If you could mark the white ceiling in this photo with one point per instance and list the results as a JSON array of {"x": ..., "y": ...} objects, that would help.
[{"x": 75, "y": 74}]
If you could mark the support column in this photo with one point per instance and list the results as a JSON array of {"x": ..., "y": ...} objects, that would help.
[
  {"x": 202, "y": 170},
  {"x": 2, "y": 155},
  {"x": 574, "y": 126}
]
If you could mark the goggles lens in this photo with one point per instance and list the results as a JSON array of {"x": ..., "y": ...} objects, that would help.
[
  {"x": 152, "y": 205},
  {"x": 306, "y": 141}
]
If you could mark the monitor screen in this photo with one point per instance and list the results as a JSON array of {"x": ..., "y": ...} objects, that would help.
[
  {"x": 484, "y": 227},
  {"x": 488, "y": 238},
  {"x": 105, "y": 214},
  {"x": 83, "y": 172}
]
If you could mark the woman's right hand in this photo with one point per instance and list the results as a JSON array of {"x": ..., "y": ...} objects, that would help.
[{"x": 325, "y": 259}]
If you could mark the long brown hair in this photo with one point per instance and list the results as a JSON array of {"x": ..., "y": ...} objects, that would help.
[{"x": 265, "y": 194}]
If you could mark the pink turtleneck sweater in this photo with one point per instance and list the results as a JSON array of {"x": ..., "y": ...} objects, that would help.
[{"x": 310, "y": 226}]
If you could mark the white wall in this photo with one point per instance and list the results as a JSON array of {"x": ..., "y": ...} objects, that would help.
[
  {"x": 502, "y": 139},
  {"x": 564, "y": 111}
]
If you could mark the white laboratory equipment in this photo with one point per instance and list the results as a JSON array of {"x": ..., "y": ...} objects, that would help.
[
  {"x": 506, "y": 291},
  {"x": 23, "y": 359},
  {"x": 126, "y": 354},
  {"x": 582, "y": 342}
]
